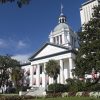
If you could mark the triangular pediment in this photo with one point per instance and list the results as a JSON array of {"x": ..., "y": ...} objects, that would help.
[{"x": 48, "y": 49}]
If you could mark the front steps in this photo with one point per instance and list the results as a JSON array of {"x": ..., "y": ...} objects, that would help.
[{"x": 35, "y": 91}]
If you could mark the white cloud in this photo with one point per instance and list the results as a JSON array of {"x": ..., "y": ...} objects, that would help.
[
  {"x": 22, "y": 58},
  {"x": 21, "y": 44}
]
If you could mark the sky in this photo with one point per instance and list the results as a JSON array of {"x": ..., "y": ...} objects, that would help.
[{"x": 24, "y": 30}]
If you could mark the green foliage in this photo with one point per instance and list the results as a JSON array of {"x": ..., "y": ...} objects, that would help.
[
  {"x": 6, "y": 65},
  {"x": 53, "y": 95},
  {"x": 10, "y": 68},
  {"x": 55, "y": 88},
  {"x": 16, "y": 76},
  {"x": 75, "y": 85},
  {"x": 19, "y": 2},
  {"x": 11, "y": 98},
  {"x": 88, "y": 55},
  {"x": 95, "y": 87},
  {"x": 72, "y": 85},
  {"x": 52, "y": 69}
]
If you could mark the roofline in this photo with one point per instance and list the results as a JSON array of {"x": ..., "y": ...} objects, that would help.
[
  {"x": 44, "y": 47},
  {"x": 87, "y": 2},
  {"x": 24, "y": 64},
  {"x": 64, "y": 52}
]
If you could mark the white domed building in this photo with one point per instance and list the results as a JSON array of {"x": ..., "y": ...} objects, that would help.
[{"x": 60, "y": 48}]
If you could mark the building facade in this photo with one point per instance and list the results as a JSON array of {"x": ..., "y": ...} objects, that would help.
[
  {"x": 61, "y": 47},
  {"x": 86, "y": 10}
]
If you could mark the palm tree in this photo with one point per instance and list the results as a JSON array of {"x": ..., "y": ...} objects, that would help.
[
  {"x": 52, "y": 69},
  {"x": 16, "y": 76}
]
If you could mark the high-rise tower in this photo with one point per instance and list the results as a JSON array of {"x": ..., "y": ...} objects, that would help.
[{"x": 86, "y": 10}]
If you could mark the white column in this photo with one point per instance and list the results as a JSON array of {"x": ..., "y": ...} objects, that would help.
[
  {"x": 31, "y": 75},
  {"x": 58, "y": 79},
  {"x": 44, "y": 76},
  {"x": 61, "y": 72},
  {"x": 63, "y": 39},
  {"x": 70, "y": 67},
  {"x": 38, "y": 75}
]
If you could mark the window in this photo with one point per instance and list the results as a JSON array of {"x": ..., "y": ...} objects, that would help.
[
  {"x": 54, "y": 40},
  {"x": 57, "y": 39},
  {"x": 60, "y": 39},
  {"x": 72, "y": 40}
]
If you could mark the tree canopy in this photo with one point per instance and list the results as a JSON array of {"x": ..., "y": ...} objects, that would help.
[
  {"x": 7, "y": 66},
  {"x": 88, "y": 55},
  {"x": 19, "y": 2},
  {"x": 52, "y": 69}
]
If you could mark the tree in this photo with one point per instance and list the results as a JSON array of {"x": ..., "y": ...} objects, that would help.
[
  {"x": 52, "y": 69},
  {"x": 7, "y": 66},
  {"x": 16, "y": 76},
  {"x": 19, "y": 2},
  {"x": 88, "y": 55}
]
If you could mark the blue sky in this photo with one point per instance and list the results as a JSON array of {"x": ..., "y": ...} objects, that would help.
[{"x": 24, "y": 30}]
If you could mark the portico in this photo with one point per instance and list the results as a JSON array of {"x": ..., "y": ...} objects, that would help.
[{"x": 42, "y": 79}]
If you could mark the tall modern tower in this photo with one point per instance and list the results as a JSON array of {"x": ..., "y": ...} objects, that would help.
[{"x": 86, "y": 10}]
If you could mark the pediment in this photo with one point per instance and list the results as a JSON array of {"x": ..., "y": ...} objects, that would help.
[{"x": 48, "y": 49}]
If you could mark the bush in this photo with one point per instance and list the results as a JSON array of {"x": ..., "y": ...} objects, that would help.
[
  {"x": 50, "y": 95},
  {"x": 11, "y": 98},
  {"x": 72, "y": 85},
  {"x": 92, "y": 87},
  {"x": 55, "y": 88},
  {"x": 15, "y": 97},
  {"x": 86, "y": 94},
  {"x": 75, "y": 85},
  {"x": 72, "y": 94},
  {"x": 28, "y": 97},
  {"x": 11, "y": 90},
  {"x": 24, "y": 88}
]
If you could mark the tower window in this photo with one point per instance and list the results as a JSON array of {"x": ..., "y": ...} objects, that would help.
[
  {"x": 54, "y": 40},
  {"x": 57, "y": 39},
  {"x": 60, "y": 39}
]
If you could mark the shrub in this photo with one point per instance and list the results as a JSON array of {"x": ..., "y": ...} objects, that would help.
[
  {"x": 55, "y": 88},
  {"x": 11, "y": 98},
  {"x": 72, "y": 94},
  {"x": 24, "y": 88},
  {"x": 86, "y": 94},
  {"x": 50, "y": 95},
  {"x": 75, "y": 85},
  {"x": 28, "y": 97},
  {"x": 72, "y": 85},
  {"x": 11, "y": 90}
]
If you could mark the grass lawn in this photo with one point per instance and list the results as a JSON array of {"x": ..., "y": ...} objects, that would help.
[
  {"x": 69, "y": 98},
  {"x": 58, "y": 98}
]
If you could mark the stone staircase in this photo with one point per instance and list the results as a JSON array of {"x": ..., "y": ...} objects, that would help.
[{"x": 35, "y": 91}]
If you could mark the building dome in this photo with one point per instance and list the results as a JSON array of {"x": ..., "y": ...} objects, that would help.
[{"x": 61, "y": 26}]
